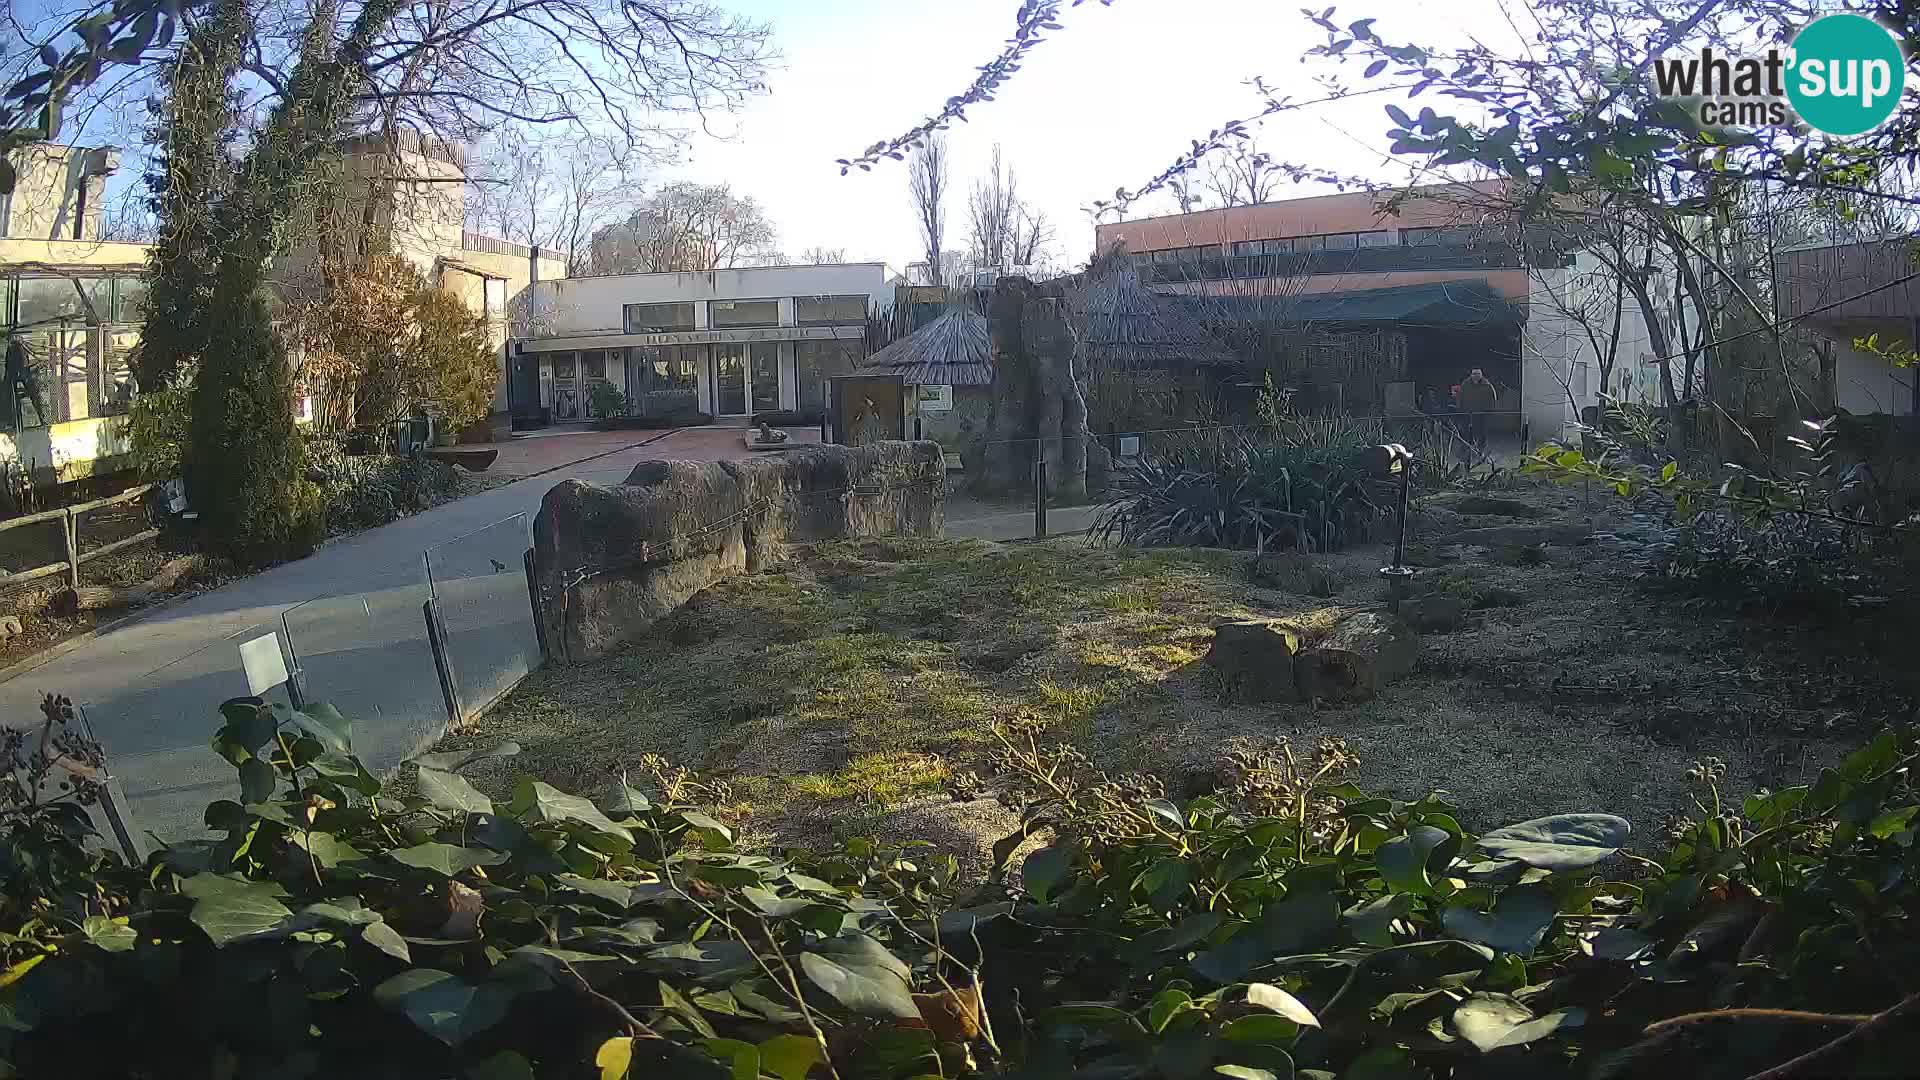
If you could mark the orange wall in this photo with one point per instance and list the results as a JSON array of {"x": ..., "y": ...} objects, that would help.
[{"x": 1357, "y": 211}]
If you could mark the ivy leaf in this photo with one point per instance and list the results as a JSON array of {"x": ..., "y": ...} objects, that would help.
[
  {"x": 257, "y": 781},
  {"x": 789, "y": 1057},
  {"x": 595, "y": 887},
  {"x": 1268, "y": 996},
  {"x": 614, "y": 1057},
  {"x": 623, "y": 800},
  {"x": 1372, "y": 922},
  {"x": 445, "y": 859},
  {"x": 444, "y": 1006},
  {"x": 327, "y": 849},
  {"x": 1263, "y": 1028},
  {"x": 450, "y": 792},
  {"x": 113, "y": 935},
  {"x": 552, "y": 804},
  {"x": 1045, "y": 869},
  {"x": 384, "y": 937},
  {"x": 1403, "y": 861},
  {"x": 697, "y": 820},
  {"x": 324, "y": 723},
  {"x": 1493, "y": 1021},
  {"x": 228, "y": 909},
  {"x": 862, "y": 975},
  {"x": 1519, "y": 920},
  {"x": 1559, "y": 842},
  {"x": 1616, "y": 943}
]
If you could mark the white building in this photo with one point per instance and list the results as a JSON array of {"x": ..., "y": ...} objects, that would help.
[{"x": 741, "y": 341}]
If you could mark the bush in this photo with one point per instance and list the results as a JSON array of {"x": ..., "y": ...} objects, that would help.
[
  {"x": 362, "y": 492},
  {"x": 606, "y": 401},
  {"x": 159, "y": 424},
  {"x": 1224, "y": 489},
  {"x": 1789, "y": 563},
  {"x": 1287, "y": 921},
  {"x": 244, "y": 469},
  {"x": 451, "y": 357}
]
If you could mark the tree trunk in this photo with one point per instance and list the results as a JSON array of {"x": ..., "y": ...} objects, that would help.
[
  {"x": 1359, "y": 655},
  {"x": 101, "y": 597}
]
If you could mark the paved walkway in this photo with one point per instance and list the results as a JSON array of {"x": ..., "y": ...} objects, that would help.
[{"x": 150, "y": 688}]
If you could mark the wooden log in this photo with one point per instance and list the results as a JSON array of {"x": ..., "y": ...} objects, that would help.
[
  {"x": 1359, "y": 655},
  {"x": 1255, "y": 658},
  {"x": 101, "y": 597}
]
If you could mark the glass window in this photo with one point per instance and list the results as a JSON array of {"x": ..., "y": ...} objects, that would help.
[
  {"x": 1314, "y": 243},
  {"x": 1341, "y": 241},
  {"x": 593, "y": 365},
  {"x": 130, "y": 299},
  {"x": 817, "y": 362},
  {"x": 47, "y": 299},
  {"x": 1246, "y": 247},
  {"x": 1283, "y": 246},
  {"x": 736, "y": 313},
  {"x": 764, "y": 373},
  {"x": 1376, "y": 238},
  {"x": 563, "y": 365},
  {"x": 825, "y": 310},
  {"x": 658, "y": 318}
]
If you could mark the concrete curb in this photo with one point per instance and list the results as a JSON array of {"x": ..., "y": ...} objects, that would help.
[{"x": 55, "y": 652}]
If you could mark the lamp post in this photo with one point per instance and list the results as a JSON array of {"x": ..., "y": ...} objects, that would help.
[{"x": 1392, "y": 461}]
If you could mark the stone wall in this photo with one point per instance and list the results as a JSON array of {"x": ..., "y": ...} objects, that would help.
[{"x": 609, "y": 562}]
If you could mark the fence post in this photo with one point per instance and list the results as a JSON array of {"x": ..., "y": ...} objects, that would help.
[
  {"x": 1039, "y": 492},
  {"x": 69, "y": 532},
  {"x": 437, "y": 643},
  {"x": 533, "y": 600}
]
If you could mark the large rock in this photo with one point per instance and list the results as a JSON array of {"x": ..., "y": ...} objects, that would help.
[
  {"x": 1255, "y": 657},
  {"x": 1362, "y": 653},
  {"x": 611, "y": 562}
]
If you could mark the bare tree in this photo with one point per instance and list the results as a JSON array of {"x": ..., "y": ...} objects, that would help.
[
  {"x": 991, "y": 211},
  {"x": 1031, "y": 236},
  {"x": 1243, "y": 176},
  {"x": 553, "y": 193},
  {"x": 927, "y": 182},
  {"x": 1184, "y": 197},
  {"x": 686, "y": 226},
  {"x": 820, "y": 256}
]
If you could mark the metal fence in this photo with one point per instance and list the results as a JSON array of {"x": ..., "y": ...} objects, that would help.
[{"x": 480, "y": 610}]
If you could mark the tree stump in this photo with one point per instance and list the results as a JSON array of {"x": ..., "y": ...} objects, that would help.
[
  {"x": 1360, "y": 654},
  {"x": 1256, "y": 658},
  {"x": 101, "y": 597}
]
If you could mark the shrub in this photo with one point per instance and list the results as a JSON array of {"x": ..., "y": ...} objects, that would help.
[
  {"x": 362, "y": 492},
  {"x": 159, "y": 423},
  {"x": 606, "y": 401},
  {"x": 244, "y": 469},
  {"x": 451, "y": 357},
  {"x": 1224, "y": 489},
  {"x": 1790, "y": 563},
  {"x": 1287, "y": 921}
]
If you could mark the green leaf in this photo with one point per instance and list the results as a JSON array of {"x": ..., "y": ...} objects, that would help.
[
  {"x": 113, "y": 935},
  {"x": 742, "y": 1058},
  {"x": 1560, "y": 842},
  {"x": 388, "y": 940},
  {"x": 614, "y": 1057},
  {"x": 1669, "y": 471},
  {"x": 450, "y": 792},
  {"x": 1404, "y": 861},
  {"x": 697, "y": 820},
  {"x": 1891, "y": 822},
  {"x": 324, "y": 723},
  {"x": 1261, "y": 1028},
  {"x": 1493, "y": 1021},
  {"x": 327, "y": 849},
  {"x": 675, "y": 1002},
  {"x": 1268, "y": 996},
  {"x": 1166, "y": 1005},
  {"x": 1046, "y": 868},
  {"x": 1519, "y": 920},
  {"x": 250, "y": 724},
  {"x": 1384, "y": 1063},
  {"x": 552, "y": 804},
  {"x": 446, "y": 859},
  {"x": 862, "y": 975},
  {"x": 624, "y": 801},
  {"x": 505, "y": 1065},
  {"x": 1245, "y": 1072},
  {"x": 228, "y": 909},
  {"x": 772, "y": 904},
  {"x": 257, "y": 781},
  {"x": 444, "y": 1006},
  {"x": 789, "y": 1057},
  {"x": 1616, "y": 943},
  {"x": 595, "y": 887},
  {"x": 1372, "y": 922},
  {"x": 712, "y": 958}
]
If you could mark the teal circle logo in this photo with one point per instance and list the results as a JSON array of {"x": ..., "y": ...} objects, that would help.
[{"x": 1846, "y": 75}]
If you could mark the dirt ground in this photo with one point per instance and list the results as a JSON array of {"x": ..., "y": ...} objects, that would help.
[{"x": 840, "y": 694}]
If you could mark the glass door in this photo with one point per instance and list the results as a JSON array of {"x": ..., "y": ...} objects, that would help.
[
  {"x": 729, "y": 380},
  {"x": 766, "y": 376}
]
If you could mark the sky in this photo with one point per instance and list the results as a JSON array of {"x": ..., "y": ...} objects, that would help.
[{"x": 1105, "y": 102}]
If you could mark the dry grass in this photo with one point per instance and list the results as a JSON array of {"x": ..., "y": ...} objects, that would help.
[{"x": 840, "y": 693}]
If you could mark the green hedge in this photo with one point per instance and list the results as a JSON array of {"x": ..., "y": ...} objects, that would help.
[{"x": 1287, "y": 925}]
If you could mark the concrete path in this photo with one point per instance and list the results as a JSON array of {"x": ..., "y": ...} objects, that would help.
[{"x": 353, "y": 614}]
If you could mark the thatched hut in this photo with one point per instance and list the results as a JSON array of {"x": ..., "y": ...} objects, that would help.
[
  {"x": 1147, "y": 356},
  {"x": 948, "y": 366}
]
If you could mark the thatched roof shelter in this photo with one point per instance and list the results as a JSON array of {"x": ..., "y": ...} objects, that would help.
[
  {"x": 1127, "y": 325},
  {"x": 953, "y": 349}
]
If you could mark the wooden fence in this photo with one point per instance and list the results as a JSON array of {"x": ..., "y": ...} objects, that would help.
[{"x": 69, "y": 519}]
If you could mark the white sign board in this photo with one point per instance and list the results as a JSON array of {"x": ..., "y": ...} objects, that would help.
[
  {"x": 936, "y": 398},
  {"x": 266, "y": 667},
  {"x": 1129, "y": 446}
]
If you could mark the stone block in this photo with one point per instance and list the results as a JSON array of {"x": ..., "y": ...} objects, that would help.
[{"x": 1256, "y": 658}]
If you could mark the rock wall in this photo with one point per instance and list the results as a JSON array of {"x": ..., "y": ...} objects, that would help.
[{"x": 609, "y": 562}]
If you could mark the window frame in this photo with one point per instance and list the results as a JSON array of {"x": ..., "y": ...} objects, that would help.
[
  {"x": 628, "y": 321},
  {"x": 801, "y": 319},
  {"x": 714, "y": 308}
]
